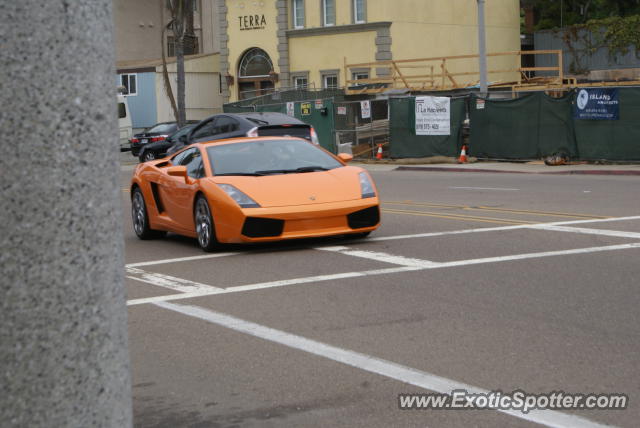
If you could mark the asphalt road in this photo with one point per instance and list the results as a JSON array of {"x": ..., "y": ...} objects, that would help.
[{"x": 474, "y": 281}]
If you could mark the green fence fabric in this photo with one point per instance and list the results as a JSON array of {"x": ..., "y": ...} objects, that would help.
[
  {"x": 404, "y": 143},
  {"x": 556, "y": 133},
  {"x": 612, "y": 139},
  {"x": 506, "y": 129},
  {"x": 529, "y": 127},
  {"x": 536, "y": 125}
]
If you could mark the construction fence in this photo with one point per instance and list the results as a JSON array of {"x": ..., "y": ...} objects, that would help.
[{"x": 530, "y": 126}]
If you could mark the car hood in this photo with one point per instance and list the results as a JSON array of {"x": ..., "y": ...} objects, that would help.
[{"x": 336, "y": 185}]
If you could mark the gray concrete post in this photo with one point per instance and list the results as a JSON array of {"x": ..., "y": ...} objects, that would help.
[{"x": 63, "y": 326}]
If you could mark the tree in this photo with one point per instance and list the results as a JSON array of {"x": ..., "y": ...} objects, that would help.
[
  {"x": 557, "y": 13},
  {"x": 182, "y": 27}
]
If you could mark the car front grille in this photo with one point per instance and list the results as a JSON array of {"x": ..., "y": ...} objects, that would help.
[
  {"x": 256, "y": 227},
  {"x": 367, "y": 217}
]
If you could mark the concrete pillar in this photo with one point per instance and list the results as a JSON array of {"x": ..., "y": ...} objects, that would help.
[{"x": 63, "y": 338}]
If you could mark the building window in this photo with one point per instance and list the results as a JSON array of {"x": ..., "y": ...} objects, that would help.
[
  {"x": 328, "y": 12},
  {"x": 129, "y": 81},
  {"x": 255, "y": 62},
  {"x": 298, "y": 13},
  {"x": 330, "y": 81},
  {"x": 360, "y": 75},
  {"x": 359, "y": 11},
  {"x": 300, "y": 82}
]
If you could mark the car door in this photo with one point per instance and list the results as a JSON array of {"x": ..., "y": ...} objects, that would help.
[{"x": 178, "y": 193}]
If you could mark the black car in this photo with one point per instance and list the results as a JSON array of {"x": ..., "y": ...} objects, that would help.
[
  {"x": 233, "y": 125},
  {"x": 157, "y": 132},
  {"x": 158, "y": 149}
]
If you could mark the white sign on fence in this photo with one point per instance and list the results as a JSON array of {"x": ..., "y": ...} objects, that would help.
[
  {"x": 433, "y": 116},
  {"x": 291, "y": 109},
  {"x": 365, "y": 107}
]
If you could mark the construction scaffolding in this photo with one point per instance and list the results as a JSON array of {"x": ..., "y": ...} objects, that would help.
[{"x": 452, "y": 73}]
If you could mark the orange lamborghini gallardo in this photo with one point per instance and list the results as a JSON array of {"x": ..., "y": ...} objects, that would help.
[{"x": 253, "y": 190}]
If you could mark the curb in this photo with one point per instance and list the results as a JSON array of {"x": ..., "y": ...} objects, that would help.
[{"x": 569, "y": 172}]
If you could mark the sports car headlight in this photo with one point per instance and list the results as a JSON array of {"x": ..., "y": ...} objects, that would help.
[
  {"x": 241, "y": 199},
  {"x": 366, "y": 187}
]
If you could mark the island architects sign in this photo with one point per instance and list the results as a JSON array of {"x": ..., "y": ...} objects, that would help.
[
  {"x": 597, "y": 104},
  {"x": 252, "y": 22}
]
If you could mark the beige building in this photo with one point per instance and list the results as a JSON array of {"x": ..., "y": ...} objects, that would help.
[
  {"x": 267, "y": 44},
  {"x": 138, "y": 28},
  {"x": 139, "y": 41}
]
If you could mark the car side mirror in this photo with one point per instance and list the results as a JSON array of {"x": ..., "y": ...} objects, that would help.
[
  {"x": 177, "y": 171},
  {"x": 345, "y": 157}
]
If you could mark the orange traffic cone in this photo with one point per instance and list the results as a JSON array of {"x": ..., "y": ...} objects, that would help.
[
  {"x": 379, "y": 153},
  {"x": 463, "y": 154}
]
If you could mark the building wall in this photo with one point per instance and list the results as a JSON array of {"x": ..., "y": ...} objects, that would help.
[
  {"x": 202, "y": 88},
  {"x": 398, "y": 29},
  {"x": 138, "y": 26},
  {"x": 142, "y": 106}
]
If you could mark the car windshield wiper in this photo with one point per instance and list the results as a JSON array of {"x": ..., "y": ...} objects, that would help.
[
  {"x": 293, "y": 171},
  {"x": 250, "y": 174}
]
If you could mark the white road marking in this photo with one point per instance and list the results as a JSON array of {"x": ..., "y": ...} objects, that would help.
[
  {"x": 166, "y": 281},
  {"x": 603, "y": 232},
  {"x": 398, "y": 237},
  {"x": 389, "y": 369},
  {"x": 499, "y": 228},
  {"x": 380, "y": 257},
  {"x": 423, "y": 265},
  {"x": 271, "y": 284},
  {"x": 182, "y": 259},
  {"x": 485, "y": 188}
]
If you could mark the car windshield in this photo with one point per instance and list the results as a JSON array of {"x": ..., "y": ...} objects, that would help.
[
  {"x": 269, "y": 157},
  {"x": 163, "y": 128}
]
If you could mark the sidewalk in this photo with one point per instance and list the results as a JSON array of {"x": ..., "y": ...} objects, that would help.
[{"x": 535, "y": 167}]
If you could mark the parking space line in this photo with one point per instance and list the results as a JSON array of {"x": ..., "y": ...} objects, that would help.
[
  {"x": 271, "y": 284},
  {"x": 182, "y": 259},
  {"x": 603, "y": 232},
  {"x": 497, "y": 229},
  {"x": 371, "y": 364},
  {"x": 380, "y": 257},
  {"x": 333, "y": 277},
  {"x": 166, "y": 281}
]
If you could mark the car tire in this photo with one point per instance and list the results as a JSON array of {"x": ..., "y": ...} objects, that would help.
[
  {"x": 205, "y": 229},
  {"x": 141, "y": 218},
  {"x": 147, "y": 156}
]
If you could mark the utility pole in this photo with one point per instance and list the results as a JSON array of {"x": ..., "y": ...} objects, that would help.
[{"x": 482, "y": 49}]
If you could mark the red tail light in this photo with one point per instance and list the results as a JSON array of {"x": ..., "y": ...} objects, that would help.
[
  {"x": 135, "y": 140},
  {"x": 158, "y": 138}
]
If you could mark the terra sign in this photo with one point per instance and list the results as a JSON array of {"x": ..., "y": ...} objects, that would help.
[{"x": 252, "y": 22}]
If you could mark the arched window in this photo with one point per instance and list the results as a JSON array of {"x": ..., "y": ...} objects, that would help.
[{"x": 255, "y": 62}]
